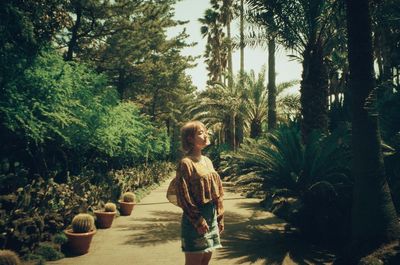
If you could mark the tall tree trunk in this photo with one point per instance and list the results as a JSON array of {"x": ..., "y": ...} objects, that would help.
[
  {"x": 221, "y": 138},
  {"x": 378, "y": 51},
  {"x": 233, "y": 130},
  {"x": 154, "y": 104},
  {"x": 384, "y": 38},
  {"x": 168, "y": 125},
  {"x": 374, "y": 219},
  {"x": 230, "y": 67},
  {"x": 230, "y": 130},
  {"x": 255, "y": 128},
  {"x": 239, "y": 129},
  {"x": 271, "y": 85},
  {"x": 229, "y": 134},
  {"x": 240, "y": 119},
  {"x": 241, "y": 38},
  {"x": 314, "y": 91},
  {"x": 387, "y": 57},
  {"x": 74, "y": 34},
  {"x": 121, "y": 85}
]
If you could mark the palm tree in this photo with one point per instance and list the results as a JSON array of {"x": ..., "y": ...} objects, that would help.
[
  {"x": 226, "y": 16},
  {"x": 219, "y": 106},
  {"x": 305, "y": 26},
  {"x": 271, "y": 85},
  {"x": 374, "y": 219},
  {"x": 256, "y": 102},
  {"x": 263, "y": 33},
  {"x": 215, "y": 53},
  {"x": 259, "y": 39},
  {"x": 241, "y": 32},
  {"x": 227, "y": 11}
]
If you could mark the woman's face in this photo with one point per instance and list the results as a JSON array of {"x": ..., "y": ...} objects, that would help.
[{"x": 200, "y": 139}]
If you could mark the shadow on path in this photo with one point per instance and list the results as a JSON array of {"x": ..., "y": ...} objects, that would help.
[
  {"x": 252, "y": 239},
  {"x": 259, "y": 236},
  {"x": 163, "y": 227}
]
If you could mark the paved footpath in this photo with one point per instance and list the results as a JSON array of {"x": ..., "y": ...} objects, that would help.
[{"x": 151, "y": 236}]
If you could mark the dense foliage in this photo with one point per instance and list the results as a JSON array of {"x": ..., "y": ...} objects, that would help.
[
  {"x": 87, "y": 89},
  {"x": 40, "y": 209},
  {"x": 111, "y": 98},
  {"x": 91, "y": 88},
  {"x": 314, "y": 176},
  {"x": 65, "y": 112}
]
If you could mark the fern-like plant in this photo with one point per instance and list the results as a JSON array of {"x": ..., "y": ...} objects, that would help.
[
  {"x": 318, "y": 174},
  {"x": 283, "y": 162}
]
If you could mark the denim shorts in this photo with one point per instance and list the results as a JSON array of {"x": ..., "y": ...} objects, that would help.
[{"x": 192, "y": 241}]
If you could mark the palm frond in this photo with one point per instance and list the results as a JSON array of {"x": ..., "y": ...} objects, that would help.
[{"x": 283, "y": 162}]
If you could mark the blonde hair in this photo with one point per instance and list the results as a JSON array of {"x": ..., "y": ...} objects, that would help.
[{"x": 190, "y": 129}]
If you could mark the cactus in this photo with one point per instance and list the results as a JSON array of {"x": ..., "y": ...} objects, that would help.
[
  {"x": 82, "y": 223},
  {"x": 110, "y": 207},
  {"x": 8, "y": 257},
  {"x": 128, "y": 197}
]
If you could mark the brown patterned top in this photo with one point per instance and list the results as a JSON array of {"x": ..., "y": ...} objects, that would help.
[{"x": 198, "y": 183}]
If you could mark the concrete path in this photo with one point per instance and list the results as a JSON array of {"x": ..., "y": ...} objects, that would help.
[{"x": 151, "y": 236}]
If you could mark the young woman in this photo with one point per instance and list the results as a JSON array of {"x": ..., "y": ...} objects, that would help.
[{"x": 199, "y": 193}]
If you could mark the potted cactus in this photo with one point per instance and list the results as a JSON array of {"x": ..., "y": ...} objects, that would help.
[
  {"x": 127, "y": 203},
  {"x": 106, "y": 217},
  {"x": 9, "y": 257},
  {"x": 81, "y": 234}
]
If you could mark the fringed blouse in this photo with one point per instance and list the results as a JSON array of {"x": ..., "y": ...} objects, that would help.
[{"x": 198, "y": 184}]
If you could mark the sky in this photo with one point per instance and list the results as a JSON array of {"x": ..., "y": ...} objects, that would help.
[{"x": 254, "y": 58}]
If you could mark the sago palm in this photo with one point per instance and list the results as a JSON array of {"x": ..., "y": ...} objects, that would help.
[{"x": 283, "y": 162}]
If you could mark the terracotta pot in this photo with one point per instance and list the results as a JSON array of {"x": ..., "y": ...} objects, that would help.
[
  {"x": 79, "y": 243},
  {"x": 104, "y": 219},
  {"x": 126, "y": 207}
]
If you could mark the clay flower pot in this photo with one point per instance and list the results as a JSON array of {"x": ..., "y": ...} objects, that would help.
[
  {"x": 126, "y": 207},
  {"x": 79, "y": 243},
  {"x": 104, "y": 219}
]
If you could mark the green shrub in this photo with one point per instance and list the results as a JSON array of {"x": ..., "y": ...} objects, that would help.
[
  {"x": 37, "y": 259},
  {"x": 283, "y": 162},
  {"x": 60, "y": 239},
  {"x": 40, "y": 210},
  {"x": 317, "y": 173},
  {"x": 71, "y": 108},
  {"x": 128, "y": 137},
  {"x": 48, "y": 251}
]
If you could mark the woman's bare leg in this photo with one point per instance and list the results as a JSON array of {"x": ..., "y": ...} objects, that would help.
[
  {"x": 193, "y": 258},
  {"x": 206, "y": 258}
]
